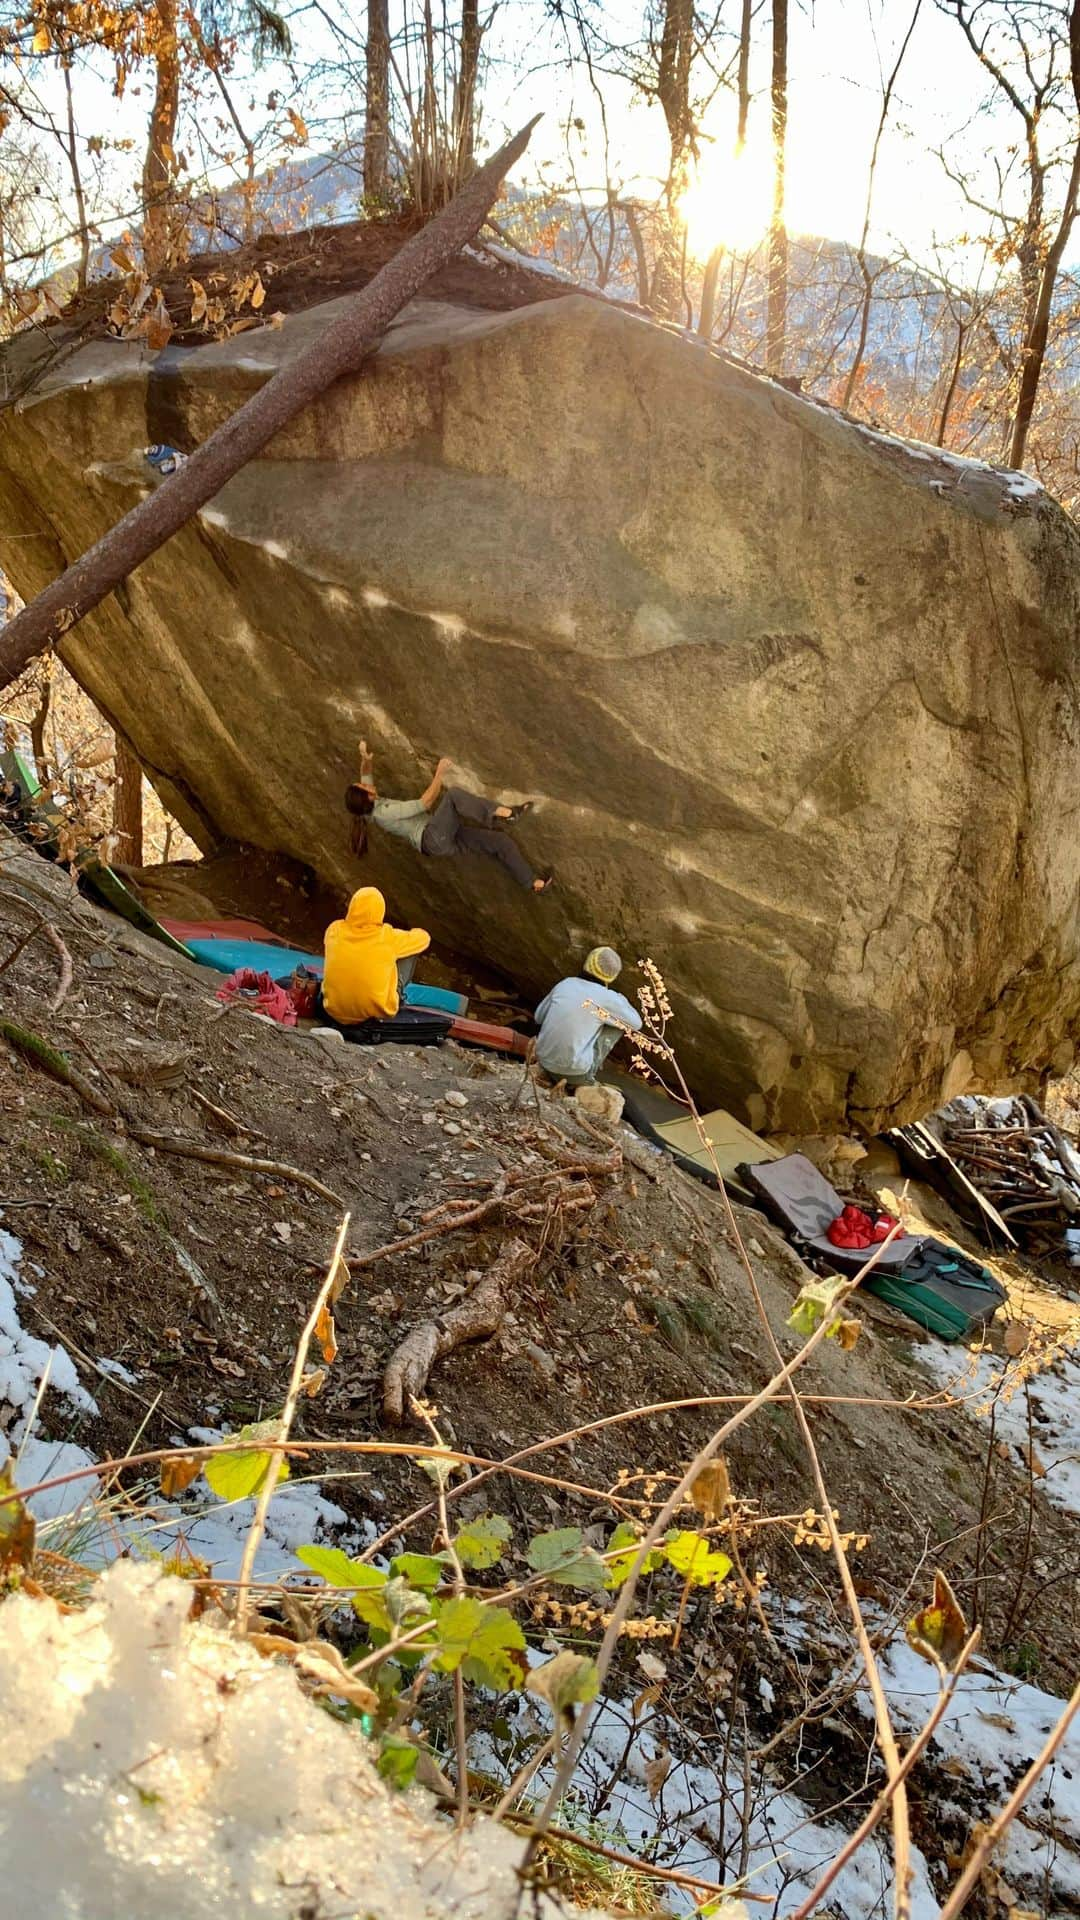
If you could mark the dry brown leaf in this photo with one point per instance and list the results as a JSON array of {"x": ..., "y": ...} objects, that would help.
[
  {"x": 648, "y": 1697},
  {"x": 178, "y": 1472},
  {"x": 313, "y": 1381},
  {"x": 711, "y": 1490},
  {"x": 1035, "y": 1465},
  {"x": 847, "y": 1333},
  {"x": 17, "y": 1528},
  {"x": 326, "y": 1336},
  {"x": 198, "y": 302},
  {"x": 258, "y": 293},
  {"x": 1017, "y": 1337},
  {"x": 656, "y": 1772},
  {"x": 652, "y": 1666},
  {"x": 939, "y": 1631},
  {"x": 299, "y": 126},
  {"x": 324, "y": 1664}
]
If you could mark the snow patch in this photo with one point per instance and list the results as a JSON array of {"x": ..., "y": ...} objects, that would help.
[
  {"x": 190, "y": 1777},
  {"x": 982, "y": 1380},
  {"x": 25, "y": 1361}
]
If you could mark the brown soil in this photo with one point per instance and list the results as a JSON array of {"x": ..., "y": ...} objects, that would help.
[{"x": 102, "y": 1218}]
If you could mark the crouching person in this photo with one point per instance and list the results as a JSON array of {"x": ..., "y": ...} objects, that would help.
[
  {"x": 582, "y": 1019},
  {"x": 366, "y": 961}
]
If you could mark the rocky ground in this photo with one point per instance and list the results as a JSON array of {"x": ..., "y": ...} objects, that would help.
[{"x": 178, "y": 1287}]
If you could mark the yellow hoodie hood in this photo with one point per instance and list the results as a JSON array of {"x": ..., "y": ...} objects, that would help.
[{"x": 360, "y": 981}]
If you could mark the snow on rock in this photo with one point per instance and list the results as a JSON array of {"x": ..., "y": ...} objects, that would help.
[
  {"x": 983, "y": 1380},
  {"x": 192, "y": 1779},
  {"x": 25, "y": 1361}
]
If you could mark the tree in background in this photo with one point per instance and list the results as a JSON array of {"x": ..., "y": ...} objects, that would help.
[
  {"x": 1030, "y": 49},
  {"x": 776, "y": 326}
]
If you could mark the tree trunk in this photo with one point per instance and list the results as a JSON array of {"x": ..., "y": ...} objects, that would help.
[
  {"x": 76, "y": 180},
  {"x": 745, "y": 24},
  {"x": 776, "y": 323},
  {"x": 159, "y": 167},
  {"x": 465, "y": 89},
  {"x": 377, "y": 104},
  {"x": 343, "y": 347},
  {"x": 1033, "y": 351},
  {"x": 127, "y": 805}
]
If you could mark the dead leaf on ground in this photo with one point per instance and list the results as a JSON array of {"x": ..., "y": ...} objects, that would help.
[
  {"x": 656, "y": 1772},
  {"x": 711, "y": 1490},
  {"x": 178, "y": 1472},
  {"x": 16, "y": 1525},
  {"x": 1017, "y": 1337}
]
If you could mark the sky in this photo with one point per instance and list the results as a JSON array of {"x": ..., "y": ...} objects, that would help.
[{"x": 840, "y": 52}]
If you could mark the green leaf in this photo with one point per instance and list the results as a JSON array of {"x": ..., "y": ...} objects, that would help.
[
  {"x": 423, "y": 1570},
  {"x": 338, "y": 1570},
  {"x": 481, "y": 1641},
  {"x": 397, "y": 1761},
  {"x": 562, "y": 1556},
  {"x": 691, "y": 1555},
  {"x": 567, "y": 1681},
  {"x": 618, "y": 1570},
  {"x": 813, "y": 1302},
  {"x": 239, "y": 1475},
  {"x": 366, "y": 1585},
  {"x": 482, "y": 1543}
]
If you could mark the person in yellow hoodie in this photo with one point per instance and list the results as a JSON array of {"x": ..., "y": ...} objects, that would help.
[{"x": 361, "y": 981}]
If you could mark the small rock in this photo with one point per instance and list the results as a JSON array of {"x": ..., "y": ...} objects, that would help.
[
  {"x": 329, "y": 1036},
  {"x": 428, "y": 1119},
  {"x": 451, "y": 1126},
  {"x": 455, "y": 1099},
  {"x": 600, "y": 1103},
  {"x": 102, "y": 960}
]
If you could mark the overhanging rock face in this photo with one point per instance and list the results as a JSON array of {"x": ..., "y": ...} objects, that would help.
[{"x": 797, "y": 702}]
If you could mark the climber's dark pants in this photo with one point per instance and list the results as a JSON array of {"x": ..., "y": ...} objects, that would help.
[{"x": 464, "y": 822}]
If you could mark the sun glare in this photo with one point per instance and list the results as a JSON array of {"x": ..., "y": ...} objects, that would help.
[{"x": 729, "y": 203}]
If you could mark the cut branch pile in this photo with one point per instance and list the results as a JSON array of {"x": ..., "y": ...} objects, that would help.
[{"x": 1021, "y": 1163}]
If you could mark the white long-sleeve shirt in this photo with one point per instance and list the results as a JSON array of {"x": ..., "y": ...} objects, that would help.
[{"x": 571, "y": 1020}]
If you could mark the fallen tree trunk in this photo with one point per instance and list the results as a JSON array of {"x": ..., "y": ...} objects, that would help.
[
  {"x": 475, "y": 1318},
  {"x": 344, "y": 346}
]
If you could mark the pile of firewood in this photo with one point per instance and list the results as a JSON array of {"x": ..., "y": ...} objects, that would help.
[{"x": 1021, "y": 1163}]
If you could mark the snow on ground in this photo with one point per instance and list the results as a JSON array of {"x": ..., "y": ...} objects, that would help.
[
  {"x": 695, "y": 1823},
  {"x": 188, "y": 1777},
  {"x": 199, "y": 1526},
  {"x": 25, "y": 1361},
  {"x": 982, "y": 1381},
  {"x": 994, "y": 1728}
]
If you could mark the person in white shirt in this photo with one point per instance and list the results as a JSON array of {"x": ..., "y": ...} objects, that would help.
[
  {"x": 441, "y": 822},
  {"x": 582, "y": 1019}
]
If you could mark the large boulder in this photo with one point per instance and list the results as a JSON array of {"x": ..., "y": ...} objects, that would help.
[{"x": 797, "y": 701}]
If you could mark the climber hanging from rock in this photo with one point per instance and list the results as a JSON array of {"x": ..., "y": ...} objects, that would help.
[
  {"x": 582, "y": 1019},
  {"x": 442, "y": 822}
]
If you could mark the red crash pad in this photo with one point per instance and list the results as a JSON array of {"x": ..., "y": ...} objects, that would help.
[{"x": 222, "y": 930}]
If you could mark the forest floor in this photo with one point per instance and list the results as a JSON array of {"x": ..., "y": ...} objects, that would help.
[{"x": 178, "y": 1286}]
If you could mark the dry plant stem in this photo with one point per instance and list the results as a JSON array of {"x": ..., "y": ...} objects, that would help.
[
  {"x": 877, "y": 1811},
  {"x": 461, "y": 1731},
  {"x": 901, "y": 1818},
  {"x": 671, "y": 1875},
  {"x": 522, "y": 1777},
  {"x": 621, "y": 1609},
  {"x": 258, "y": 1524},
  {"x": 969, "y": 1879}
]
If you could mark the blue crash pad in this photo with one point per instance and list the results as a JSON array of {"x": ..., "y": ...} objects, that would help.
[{"x": 225, "y": 956}]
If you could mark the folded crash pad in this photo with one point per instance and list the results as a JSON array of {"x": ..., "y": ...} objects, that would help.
[
  {"x": 933, "y": 1284},
  {"x": 188, "y": 930},
  {"x": 411, "y": 1027},
  {"x": 482, "y": 1033},
  {"x": 733, "y": 1144},
  {"x": 802, "y": 1202}
]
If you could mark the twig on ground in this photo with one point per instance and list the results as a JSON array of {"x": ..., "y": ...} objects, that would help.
[
  {"x": 243, "y": 1162},
  {"x": 476, "y": 1317},
  {"x": 258, "y": 1524},
  {"x": 41, "y": 926},
  {"x": 224, "y": 1118}
]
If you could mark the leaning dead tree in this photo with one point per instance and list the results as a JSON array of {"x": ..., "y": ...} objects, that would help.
[{"x": 341, "y": 349}]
